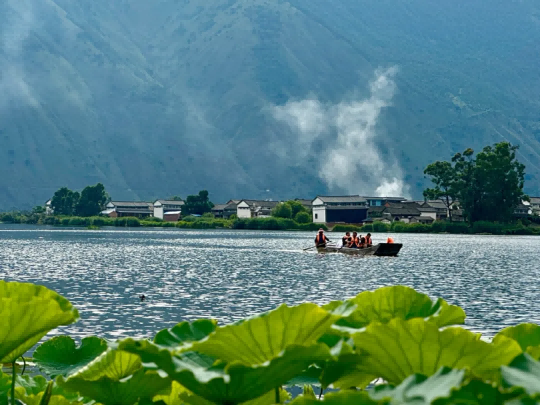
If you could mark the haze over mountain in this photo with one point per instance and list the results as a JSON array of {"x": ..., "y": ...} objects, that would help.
[{"x": 259, "y": 98}]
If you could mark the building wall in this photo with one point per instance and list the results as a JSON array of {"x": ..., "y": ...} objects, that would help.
[
  {"x": 171, "y": 217},
  {"x": 243, "y": 210},
  {"x": 158, "y": 212},
  {"x": 350, "y": 216},
  {"x": 319, "y": 214},
  {"x": 429, "y": 214}
]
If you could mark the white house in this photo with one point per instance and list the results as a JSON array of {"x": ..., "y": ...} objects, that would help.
[
  {"x": 48, "y": 208},
  {"x": 243, "y": 210},
  {"x": 350, "y": 209},
  {"x": 161, "y": 207}
]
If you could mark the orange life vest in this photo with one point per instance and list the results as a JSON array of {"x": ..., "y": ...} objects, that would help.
[
  {"x": 368, "y": 240},
  {"x": 318, "y": 237},
  {"x": 390, "y": 240}
]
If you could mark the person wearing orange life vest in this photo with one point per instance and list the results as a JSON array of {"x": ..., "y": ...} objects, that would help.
[
  {"x": 355, "y": 241},
  {"x": 346, "y": 240},
  {"x": 321, "y": 239},
  {"x": 362, "y": 244},
  {"x": 369, "y": 242},
  {"x": 390, "y": 240}
]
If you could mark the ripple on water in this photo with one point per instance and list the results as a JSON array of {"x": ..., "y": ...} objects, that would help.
[{"x": 228, "y": 275}]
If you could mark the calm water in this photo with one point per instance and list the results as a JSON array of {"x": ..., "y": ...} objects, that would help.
[{"x": 228, "y": 275}]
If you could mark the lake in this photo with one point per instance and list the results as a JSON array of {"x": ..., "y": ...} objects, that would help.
[{"x": 228, "y": 275}]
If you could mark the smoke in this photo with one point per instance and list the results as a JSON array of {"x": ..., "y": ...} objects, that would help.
[
  {"x": 17, "y": 26},
  {"x": 344, "y": 138}
]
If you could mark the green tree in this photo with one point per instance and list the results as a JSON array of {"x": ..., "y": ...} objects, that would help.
[
  {"x": 296, "y": 207},
  {"x": 92, "y": 201},
  {"x": 443, "y": 177},
  {"x": 197, "y": 204},
  {"x": 175, "y": 198},
  {"x": 282, "y": 210},
  {"x": 302, "y": 217},
  {"x": 488, "y": 186},
  {"x": 64, "y": 201},
  {"x": 38, "y": 209}
]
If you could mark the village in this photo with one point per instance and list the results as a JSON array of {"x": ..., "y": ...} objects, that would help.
[{"x": 329, "y": 210}]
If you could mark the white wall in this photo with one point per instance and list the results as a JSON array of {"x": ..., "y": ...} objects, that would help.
[
  {"x": 319, "y": 214},
  {"x": 158, "y": 211},
  {"x": 243, "y": 210},
  {"x": 429, "y": 214}
]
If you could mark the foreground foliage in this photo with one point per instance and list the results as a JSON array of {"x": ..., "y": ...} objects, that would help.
[{"x": 395, "y": 334}]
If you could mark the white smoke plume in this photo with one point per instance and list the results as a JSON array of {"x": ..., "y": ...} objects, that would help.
[{"x": 347, "y": 133}]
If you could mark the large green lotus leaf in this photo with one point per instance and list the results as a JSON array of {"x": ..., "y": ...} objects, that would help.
[
  {"x": 27, "y": 313},
  {"x": 112, "y": 364},
  {"x": 264, "y": 337},
  {"x": 401, "y": 302},
  {"x": 172, "y": 395},
  {"x": 61, "y": 356},
  {"x": 524, "y": 371},
  {"x": 231, "y": 383},
  {"x": 419, "y": 389},
  {"x": 185, "y": 332},
  {"x": 340, "y": 398},
  {"x": 143, "y": 384},
  {"x": 526, "y": 334},
  {"x": 31, "y": 390},
  {"x": 401, "y": 348},
  {"x": 477, "y": 392},
  {"x": 5, "y": 385}
]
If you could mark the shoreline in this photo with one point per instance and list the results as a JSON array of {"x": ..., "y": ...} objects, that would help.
[{"x": 280, "y": 224}]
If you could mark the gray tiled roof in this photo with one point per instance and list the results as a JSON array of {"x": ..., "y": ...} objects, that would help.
[
  {"x": 171, "y": 202},
  {"x": 133, "y": 204},
  {"x": 219, "y": 207},
  {"x": 347, "y": 199}
]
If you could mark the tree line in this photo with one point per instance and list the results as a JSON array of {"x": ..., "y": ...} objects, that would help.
[{"x": 487, "y": 186}]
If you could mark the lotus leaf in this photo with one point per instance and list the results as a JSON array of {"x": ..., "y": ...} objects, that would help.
[
  {"x": 185, "y": 332},
  {"x": 400, "y": 348},
  {"x": 60, "y": 355},
  {"x": 172, "y": 396},
  {"x": 228, "y": 383},
  {"x": 527, "y": 335},
  {"x": 31, "y": 390},
  {"x": 524, "y": 371},
  {"x": 401, "y": 302},
  {"x": 27, "y": 313},
  {"x": 113, "y": 364},
  {"x": 479, "y": 393},
  {"x": 264, "y": 337},
  {"x": 340, "y": 398},
  {"x": 142, "y": 384},
  {"x": 419, "y": 389}
]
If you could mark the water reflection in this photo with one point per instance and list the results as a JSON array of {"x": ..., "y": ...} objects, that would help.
[{"x": 229, "y": 275}]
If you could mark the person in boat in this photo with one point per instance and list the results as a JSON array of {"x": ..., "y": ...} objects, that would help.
[
  {"x": 390, "y": 240},
  {"x": 355, "y": 242},
  {"x": 346, "y": 240},
  {"x": 321, "y": 239},
  {"x": 369, "y": 242},
  {"x": 362, "y": 244}
]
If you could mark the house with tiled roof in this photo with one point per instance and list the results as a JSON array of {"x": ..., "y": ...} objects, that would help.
[{"x": 351, "y": 209}]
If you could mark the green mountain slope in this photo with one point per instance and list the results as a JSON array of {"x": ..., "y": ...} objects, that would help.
[{"x": 167, "y": 97}]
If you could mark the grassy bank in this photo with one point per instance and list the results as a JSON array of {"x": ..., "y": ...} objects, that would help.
[
  {"x": 187, "y": 223},
  {"x": 524, "y": 227}
]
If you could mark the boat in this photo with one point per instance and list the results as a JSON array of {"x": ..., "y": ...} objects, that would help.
[{"x": 380, "y": 249}]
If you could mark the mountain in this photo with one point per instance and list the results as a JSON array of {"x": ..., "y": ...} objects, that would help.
[{"x": 247, "y": 98}]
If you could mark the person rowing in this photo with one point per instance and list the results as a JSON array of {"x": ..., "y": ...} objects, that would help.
[
  {"x": 355, "y": 242},
  {"x": 321, "y": 239}
]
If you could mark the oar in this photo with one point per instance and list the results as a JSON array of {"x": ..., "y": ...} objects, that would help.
[{"x": 309, "y": 248}]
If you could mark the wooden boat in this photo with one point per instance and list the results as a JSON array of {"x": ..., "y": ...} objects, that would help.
[{"x": 381, "y": 249}]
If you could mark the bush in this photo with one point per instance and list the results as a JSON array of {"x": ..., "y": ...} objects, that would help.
[
  {"x": 303, "y": 217},
  {"x": 208, "y": 215},
  {"x": 347, "y": 228},
  {"x": 79, "y": 221},
  {"x": 367, "y": 228},
  {"x": 380, "y": 227},
  {"x": 282, "y": 210},
  {"x": 487, "y": 227},
  {"x": 438, "y": 226},
  {"x": 457, "y": 227}
]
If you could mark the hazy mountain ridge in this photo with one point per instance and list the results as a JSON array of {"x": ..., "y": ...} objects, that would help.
[{"x": 169, "y": 97}]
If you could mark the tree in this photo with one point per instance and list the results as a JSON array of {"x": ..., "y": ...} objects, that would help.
[
  {"x": 64, "y": 201},
  {"x": 38, "y": 209},
  {"x": 302, "y": 217},
  {"x": 92, "y": 201},
  {"x": 488, "y": 187},
  {"x": 282, "y": 210},
  {"x": 443, "y": 177},
  {"x": 197, "y": 204},
  {"x": 175, "y": 198}
]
